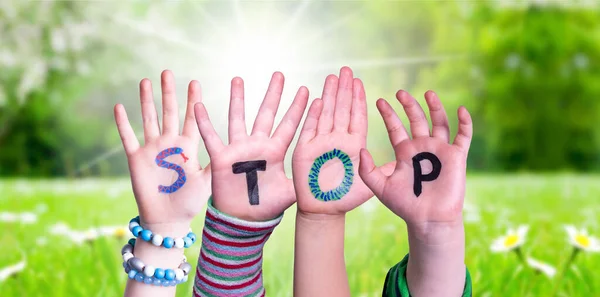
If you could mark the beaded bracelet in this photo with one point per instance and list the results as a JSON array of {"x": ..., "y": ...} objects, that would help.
[
  {"x": 157, "y": 239},
  {"x": 148, "y": 274}
]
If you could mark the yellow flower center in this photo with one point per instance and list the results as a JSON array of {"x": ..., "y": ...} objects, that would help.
[
  {"x": 511, "y": 240},
  {"x": 583, "y": 240},
  {"x": 120, "y": 232}
]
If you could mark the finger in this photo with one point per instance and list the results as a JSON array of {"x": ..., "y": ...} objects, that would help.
[
  {"x": 211, "y": 139},
  {"x": 289, "y": 124},
  {"x": 343, "y": 103},
  {"x": 418, "y": 122},
  {"x": 237, "y": 119},
  {"x": 329, "y": 93},
  {"x": 190, "y": 129},
  {"x": 371, "y": 174},
  {"x": 128, "y": 138},
  {"x": 439, "y": 119},
  {"x": 309, "y": 129},
  {"x": 396, "y": 131},
  {"x": 268, "y": 109},
  {"x": 170, "y": 122},
  {"x": 149, "y": 116},
  {"x": 465, "y": 129},
  {"x": 358, "y": 115}
]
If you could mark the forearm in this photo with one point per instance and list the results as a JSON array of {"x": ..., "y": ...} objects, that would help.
[
  {"x": 319, "y": 266},
  {"x": 436, "y": 263},
  {"x": 230, "y": 261},
  {"x": 158, "y": 257}
]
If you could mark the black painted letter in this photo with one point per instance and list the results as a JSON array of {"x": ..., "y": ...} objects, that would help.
[
  {"x": 436, "y": 168},
  {"x": 250, "y": 168}
]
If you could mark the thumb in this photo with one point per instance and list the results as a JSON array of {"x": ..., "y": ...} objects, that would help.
[{"x": 371, "y": 175}]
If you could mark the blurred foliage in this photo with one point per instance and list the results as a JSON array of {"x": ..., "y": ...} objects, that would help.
[
  {"x": 528, "y": 73},
  {"x": 61, "y": 61},
  {"x": 538, "y": 99},
  {"x": 52, "y": 55}
]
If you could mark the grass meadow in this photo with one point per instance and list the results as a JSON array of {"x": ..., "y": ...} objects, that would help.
[{"x": 375, "y": 238}]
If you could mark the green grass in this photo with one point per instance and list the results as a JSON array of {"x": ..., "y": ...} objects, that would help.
[{"x": 375, "y": 238}]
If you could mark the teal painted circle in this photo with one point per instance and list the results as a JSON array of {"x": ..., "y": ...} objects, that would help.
[{"x": 343, "y": 188}]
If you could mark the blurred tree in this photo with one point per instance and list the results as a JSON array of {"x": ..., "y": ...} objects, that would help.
[
  {"x": 60, "y": 60},
  {"x": 528, "y": 74},
  {"x": 49, "y": 53},
  {"x": 538, "y": 96}
]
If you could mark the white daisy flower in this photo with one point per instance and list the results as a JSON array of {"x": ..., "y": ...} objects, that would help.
[
  {"x": 512, "y": 240},
  {"x": 542, "y": 267},
  {"x": 9, "y": 271},
  {"x": 117, "y": 231},
  {"x": 91, "y": 234},
  {"x": 59, "y": 228},
  {"x": 8, "y": 217},
  {"x": 28, "y": 217},
  {"x": 580, "y": 239},
  {"x": 23, "y": 217}
]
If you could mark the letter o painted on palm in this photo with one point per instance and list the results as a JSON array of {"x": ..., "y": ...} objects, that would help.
[{"x": 343, "y": 188}]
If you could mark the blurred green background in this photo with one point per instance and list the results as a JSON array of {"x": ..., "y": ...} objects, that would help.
[{"x": 528, "y": 71}]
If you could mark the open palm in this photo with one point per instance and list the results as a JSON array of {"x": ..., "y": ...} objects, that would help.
[
  {"x": 437, "y": 198},
  {"x": 335, "y": 130},
  {"x": 168, "y": 182},
  {"x": 249, "y": 180}
]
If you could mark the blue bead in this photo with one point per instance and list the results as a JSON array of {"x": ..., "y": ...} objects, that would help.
[
  {"x": 165, "y": 283},
  {"x": 139, "y": 277},
  {"x": 168, "y": 242},
  {"x": 146, "y": 235},
  {"x": 136, "y": 219},
  {"x": 169, "y": 274},
  {"x": 187, "y": 242},
  {"x": 173, "y": 283},
  {"x": 132, "y": 273},
  {"x": 147, "y": 280},
  {"x": 136, "y": 231},
  {"x": 157, "y": 282},
  {"x": 132, "y": 241},
  {"x": 159, "y": 273},
  {"x": 191, "y": 236}
]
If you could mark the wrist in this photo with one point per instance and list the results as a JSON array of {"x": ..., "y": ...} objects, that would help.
[
  {"x": 436, "y": 252},
  {"x": 159, "y": 256},
  {"x": 171, "y": 229},
  {"x": 436, "y": 233},
  {"x": 319, "y": 217}
]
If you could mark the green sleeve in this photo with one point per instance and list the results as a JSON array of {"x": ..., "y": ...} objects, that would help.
[{"x": 396, "y": 284}]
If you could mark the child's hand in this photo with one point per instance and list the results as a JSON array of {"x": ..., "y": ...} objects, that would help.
[
  {"x": 249, "y": 180},
  {"x": 325, "y": 162},
  {"x": 424, "y": 193},
  {"x": 169, "y": 184}
]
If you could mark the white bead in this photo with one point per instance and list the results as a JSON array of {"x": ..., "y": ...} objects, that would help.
[
  {"x": 179, "y": 243},
  {"x": 179, "y": 275},
  {"x": 149, "y": 270},
  {"x": 133, "y": 225},
  {"x": 127, "y": 256},
  {"x": 157, "y": 240},
  {"x": 185, "y": 278}
]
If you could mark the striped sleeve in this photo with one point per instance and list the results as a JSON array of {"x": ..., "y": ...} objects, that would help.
[
  {"x": 230, "y": 261},
  {"x": 396, "y": 285}
]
